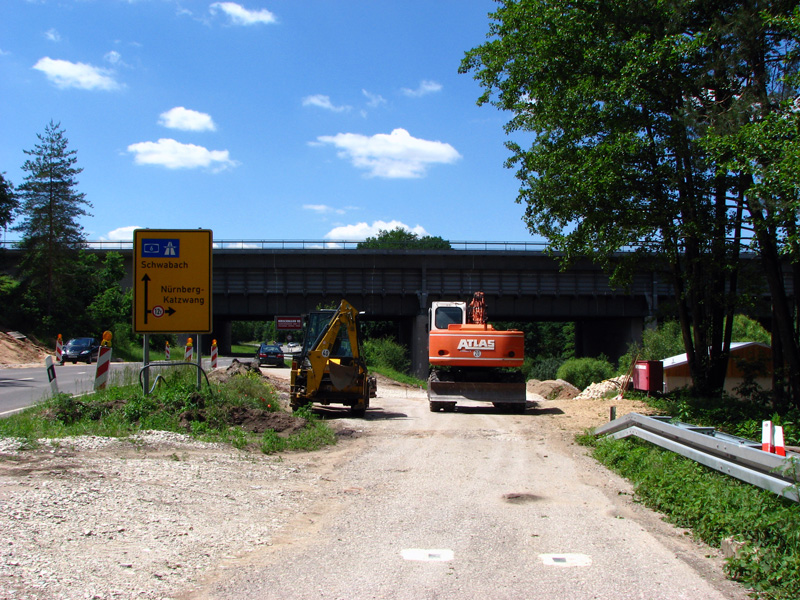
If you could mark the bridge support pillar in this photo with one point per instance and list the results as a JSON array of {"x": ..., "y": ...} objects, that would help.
[
  {"x": 223, "y": 333},
  {"x": 607, "y": 336},
  {"x": 419, "y": 346}
]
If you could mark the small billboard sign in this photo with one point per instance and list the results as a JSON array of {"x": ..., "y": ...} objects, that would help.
[{"x": 288, "y": 323}]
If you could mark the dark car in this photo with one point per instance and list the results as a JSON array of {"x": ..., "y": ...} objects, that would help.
[
  {"x": 83, "y": 349},
  {"x": 269, "y": 354}
]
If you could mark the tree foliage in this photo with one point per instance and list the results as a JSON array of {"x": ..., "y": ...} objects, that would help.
[
  {"x": 400, "y": 238},
  {"x": 8, "y": 201},
  {"x": 621, "y": 100},
  {"x": 52, "y": 269}
]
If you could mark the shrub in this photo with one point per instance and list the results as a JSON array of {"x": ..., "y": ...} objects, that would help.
[
  {"x": 386, "y": 353},
  {"x": 581, "y": 372},
  {"x": 542, "y": 368}
]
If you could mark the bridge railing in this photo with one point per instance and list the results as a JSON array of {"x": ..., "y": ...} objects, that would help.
[{"x": 244, "y": 244}]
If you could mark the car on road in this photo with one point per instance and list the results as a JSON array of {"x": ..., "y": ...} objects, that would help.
[
  {"x": 269, "y": 354},
  {"x": 83, "y": 349}
]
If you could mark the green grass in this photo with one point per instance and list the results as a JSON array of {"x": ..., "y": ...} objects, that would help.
[
  {"x": 397, "y": 376},
  {"x": 175, "y": 405},
  {"x": 715, "y": 507}
]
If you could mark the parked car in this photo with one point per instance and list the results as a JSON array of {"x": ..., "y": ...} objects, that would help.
[
  {"x": 84, "y": 349},
  {"x": 269, "y": 354}
]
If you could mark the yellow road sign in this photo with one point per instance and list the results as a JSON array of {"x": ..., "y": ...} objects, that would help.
[{"x": 172, "y": 280}]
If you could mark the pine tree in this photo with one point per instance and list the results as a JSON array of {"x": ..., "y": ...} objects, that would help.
[
  {"x": 8, "y": 201},
  {"x": 52, "y": 238}
]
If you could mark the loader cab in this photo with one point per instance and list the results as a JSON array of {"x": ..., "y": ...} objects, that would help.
[{"x": 443, "y": 314}]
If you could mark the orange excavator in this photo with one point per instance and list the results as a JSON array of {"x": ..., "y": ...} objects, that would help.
[{"x": 471, "y": 360}]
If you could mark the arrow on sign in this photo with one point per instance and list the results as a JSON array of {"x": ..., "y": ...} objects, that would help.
[{"x": 146, "y": 280}]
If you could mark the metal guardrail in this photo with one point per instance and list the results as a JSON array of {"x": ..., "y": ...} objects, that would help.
[{"x": 729, "y": 454}]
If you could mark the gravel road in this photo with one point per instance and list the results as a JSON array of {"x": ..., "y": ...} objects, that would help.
[{"x": 409, "y": 504}]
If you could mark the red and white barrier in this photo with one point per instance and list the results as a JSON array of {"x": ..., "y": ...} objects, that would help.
[
  {"x": 772, "y": 438},
  {"x": 103, "y": 362},
  {"x": 213, "y": 354},
  {"x": 166, "y": 351},
  {"x": 189, "y": 351},
  {"x": 59, "y": 349}
]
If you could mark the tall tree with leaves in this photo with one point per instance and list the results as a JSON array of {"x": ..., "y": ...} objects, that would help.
[
  {"x": 52, "y": 237},
  {"x": 8, "y": 201},
  {"x": 618, "y": 97},
  {"x": 403, "y": 239}
]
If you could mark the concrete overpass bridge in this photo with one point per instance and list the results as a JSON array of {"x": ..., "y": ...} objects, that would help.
[
  {"x": 520, "y": 281},
  {"x": 259, "y": 280}
]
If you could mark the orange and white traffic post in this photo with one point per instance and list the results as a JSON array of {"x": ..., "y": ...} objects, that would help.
[
  {"x": 166, "y": 351},
  {"x": 213, "y": 354},
  {"x": 103, "y": 362},
  {"x": 59, "y": 349},
  {"x": 189, "y": 351},
  {"x": 772, "y": 438}
]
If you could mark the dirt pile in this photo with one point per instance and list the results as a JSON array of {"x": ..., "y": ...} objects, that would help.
[
  {"x": 552, "y": 389},
  {"x": 16, "y": 349}
]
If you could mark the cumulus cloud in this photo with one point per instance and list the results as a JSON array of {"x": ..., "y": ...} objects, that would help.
[
  {"x": 361, "y": 231},
  {"x": 425, "y": 87},
  {"x": 322, "y": 101},
  {"x": 65, "y": 74},
  {"x": 394, "y": 155},
  {"x": 175, "y": 155},
  {"x": 186, "y": 120},
  {"x": 120, "y": 234},
  {"x": 239, "y": 15}
]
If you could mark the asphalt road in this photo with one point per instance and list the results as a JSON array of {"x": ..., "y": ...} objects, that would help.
[
  {"x": 26, "y": 386},
  {"x": 471, "y": 504}
]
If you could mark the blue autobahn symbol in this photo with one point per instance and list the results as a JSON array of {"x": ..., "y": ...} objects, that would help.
[{"x": 161, "y": 248}]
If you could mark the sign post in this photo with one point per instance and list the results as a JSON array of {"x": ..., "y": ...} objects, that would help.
[{"x": 172, "y": 280}]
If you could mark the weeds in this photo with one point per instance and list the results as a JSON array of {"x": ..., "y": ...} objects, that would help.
[
  {"x": 123, "y": 411},
  {"x": 715, "y": 507}
]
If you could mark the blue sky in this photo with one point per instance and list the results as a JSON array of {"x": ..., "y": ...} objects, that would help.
[{"x": 263, "y": 119}]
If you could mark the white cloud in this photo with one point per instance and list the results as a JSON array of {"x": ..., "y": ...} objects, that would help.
[
  {"x": 65, "y": 74},
  {"x": 324, "y": 209},
  {"x": 425, "y": 87},
  {"x": 322, "y": 101},
  {"x": 52, "y": 35},
  {"x": 113, "y": 57},
  {"x": 120, "y": 234},
  {"x": 373, "y": 100},
  {"x": 361, "y": 231},
  {"x": 394, "y": 155},
  {"x": 186, "y": 120},
  {"x": 242, "y": 16},
  {"x": 175, "y": 155}
]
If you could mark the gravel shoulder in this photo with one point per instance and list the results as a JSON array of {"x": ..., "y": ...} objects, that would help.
[{"x": 160, "y": 515}]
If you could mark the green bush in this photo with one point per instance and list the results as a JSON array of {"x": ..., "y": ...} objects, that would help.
[
  {"x": 542, "y": 369},
  {"x": 582, "y": 372},
  {"x": 387, "y": 353}
]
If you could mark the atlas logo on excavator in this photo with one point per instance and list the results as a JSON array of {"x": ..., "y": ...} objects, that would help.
[{"x": 473, "y": 344}]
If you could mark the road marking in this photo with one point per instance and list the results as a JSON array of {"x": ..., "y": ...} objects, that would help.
[
  {"x": 427, "y": 555},
  {"x": 566, "y": 560}
]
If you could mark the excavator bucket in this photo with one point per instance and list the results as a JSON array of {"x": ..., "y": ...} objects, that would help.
[{"x": 342, "y": 376}]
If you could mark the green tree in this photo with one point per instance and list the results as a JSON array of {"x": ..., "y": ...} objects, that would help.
[
  {"x": 52, "y": 268},
  {"x": 8, "y": 201},
  {"x": 618, "y": 97},
  {"x": 404, "y": 239}
]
